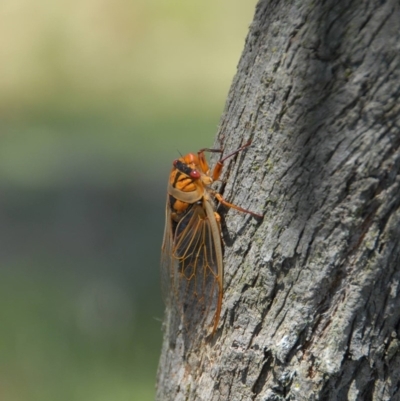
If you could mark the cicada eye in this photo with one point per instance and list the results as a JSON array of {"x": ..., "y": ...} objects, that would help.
[
  {"x": 195, "y": 174},
  {"x": 185, "y": 169}
]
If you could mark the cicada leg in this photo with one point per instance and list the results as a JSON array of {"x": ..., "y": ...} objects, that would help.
[
  {"x": 220, "y": 164},
  {"x": 202, "y": 158},
  {"x": 232, "y": 206}
]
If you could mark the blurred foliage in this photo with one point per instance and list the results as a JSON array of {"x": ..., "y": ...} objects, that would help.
[
  {"x": 102, "y": 78},
  {"x": 96, "y": 99}
]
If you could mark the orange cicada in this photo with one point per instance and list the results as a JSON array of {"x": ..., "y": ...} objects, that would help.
[{"x": 192, "y": 259}]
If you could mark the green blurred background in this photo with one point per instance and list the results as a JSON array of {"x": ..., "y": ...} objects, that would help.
[{"x": 96, "y": 98}]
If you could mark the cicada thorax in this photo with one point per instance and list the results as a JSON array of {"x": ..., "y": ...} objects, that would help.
[{"x": 187, "y": 184}]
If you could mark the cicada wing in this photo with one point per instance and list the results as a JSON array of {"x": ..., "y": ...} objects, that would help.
[
  {"x": 166, "y": 256},
  {"x": 198, "y": 282},
  {"x": 169, "y": 269}
]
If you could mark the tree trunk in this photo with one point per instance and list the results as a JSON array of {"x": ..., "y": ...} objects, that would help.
[{"x": 311, "y": 307}]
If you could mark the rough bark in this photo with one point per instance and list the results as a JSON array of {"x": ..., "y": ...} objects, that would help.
[{"x": 311, "y": 307}]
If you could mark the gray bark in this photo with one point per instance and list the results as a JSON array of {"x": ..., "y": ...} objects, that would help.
[{"x": 311, "y": 308}]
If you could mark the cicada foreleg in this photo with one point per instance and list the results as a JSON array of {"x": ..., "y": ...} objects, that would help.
[
  {"x": 202, "y": 158},
  {"x": 220, "y": 164}
]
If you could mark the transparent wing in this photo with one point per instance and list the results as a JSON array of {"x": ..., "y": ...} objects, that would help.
[
  {"x": 169, "y": 268},
  {"x": 197, "y": 281},
  {"x": 167, "y": 260}
]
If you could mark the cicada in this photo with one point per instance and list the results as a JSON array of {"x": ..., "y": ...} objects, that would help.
[{"x": 192, "y": 255}]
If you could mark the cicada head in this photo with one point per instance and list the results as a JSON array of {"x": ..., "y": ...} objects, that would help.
[
  {"x": 194, "y": 167},
  {"x": 198, "y": 162}
]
